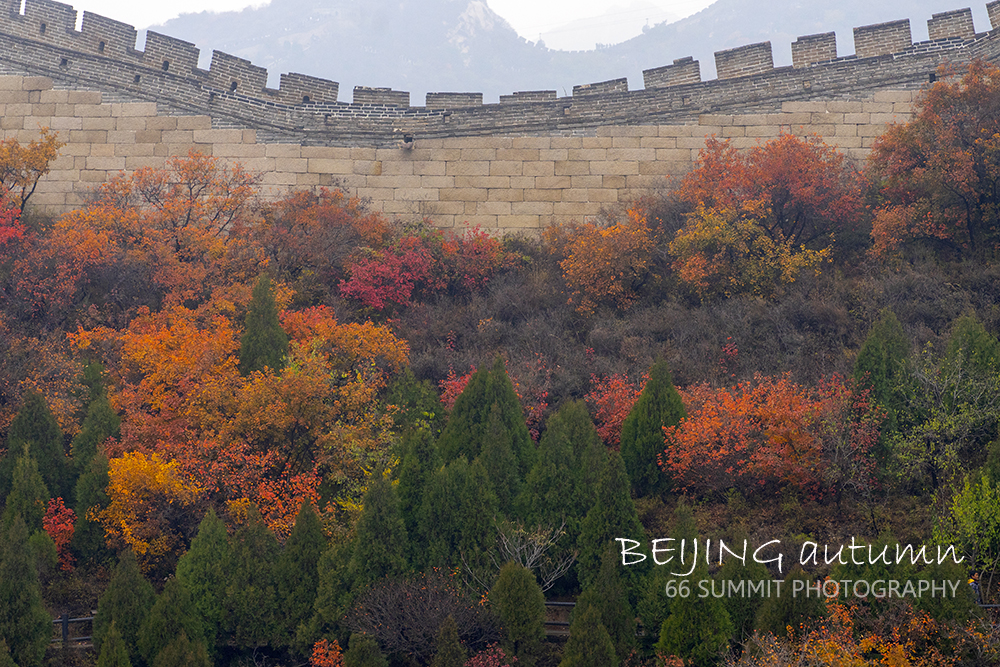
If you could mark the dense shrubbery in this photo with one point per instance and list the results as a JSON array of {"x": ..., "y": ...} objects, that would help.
[{"x": 192, "y": 383}]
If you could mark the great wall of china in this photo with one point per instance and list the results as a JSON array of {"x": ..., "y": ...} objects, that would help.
[{"x": 531, "y": 160}]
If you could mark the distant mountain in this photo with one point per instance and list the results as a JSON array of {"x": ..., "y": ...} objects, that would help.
[{"x": 463, "y": 46}]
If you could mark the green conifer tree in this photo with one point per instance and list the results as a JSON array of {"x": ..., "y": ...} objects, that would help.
[
  {"x": 779, "y": 612},
  {"x": 498, "y": 460},
  {"x": 880, "y": 367},
  {"x": 334, "y": 595},
  {"x": 173, "y": 613},
  {"x": 448, "y": 650},
  {"x": 28, "y": 496},
  {"x": 5, "y": 659},
  {"x": 363, "y": 651},
  {"x": 607, "y": 594},
  {"x": 380, "y": 541},
  {"x": 466, "y": 430},
  {"x": 520, "y": 605},
  {"x": 589, "y": 643},
  {"x": 562, "y": 485},
  {"x": 612, "y": 516},
  {"x": 264, "y": 343},
  {"x": 114, "y": 653},
  {"x": 182, "y": 652},
  {"x": 298, "y": 573},
  {"x": 91, "y": 497},
  {"x": 743, "y": 609},
  {"x": 35, "y": 426},
  {"x": 126, "y": 602},
  {"x": 250, "y": 605},
  {"x": 204, "y": 571},
  {"x": 100, "y": 423},
  {"x": 972, "y": 347},
  {"x": 24, "y": 622},
  {"x": 698, "y": 629},
  {"x": 659, "y": 405},
  {"x": 416, "y": 469},
  {"x": 459, "y": 514}
]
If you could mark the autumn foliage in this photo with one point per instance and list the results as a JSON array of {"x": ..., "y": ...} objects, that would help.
[
  {"x": 611, "y": 399},
  {"x": 605, "y": 264},
  {"x": 422, "y": 262},
  {"x": 937, "y": 176},
  {"x": 58, "y": 523},
  {"x": 769, "y": 433}
]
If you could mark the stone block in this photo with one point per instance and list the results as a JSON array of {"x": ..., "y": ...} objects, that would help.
[
  {"x": 194, "y": 123},
  {"x": 571, "y": 167},
  {"x": 505, "y": 168},
  {"x": 468, "y": 168},
  {"x": 327, "y": 166}
]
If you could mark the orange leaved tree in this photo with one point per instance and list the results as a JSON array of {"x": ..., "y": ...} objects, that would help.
[
  {"x": 938, "y": 175},
  {"x": 772, "y": 432},
  {"x": 605, "y": 265}
]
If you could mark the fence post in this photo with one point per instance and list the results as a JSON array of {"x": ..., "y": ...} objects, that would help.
[{"x": 65, "y": 628}]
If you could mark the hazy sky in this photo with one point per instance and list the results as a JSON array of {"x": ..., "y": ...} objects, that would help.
[{"x": 562, "y": 24}]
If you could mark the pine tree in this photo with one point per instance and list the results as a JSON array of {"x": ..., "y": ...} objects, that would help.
[
  {"x": 35, "y": 426},
  {"x": 698, "y": 629},
  {"x": 126, "y": 602},
  {"x": 91, "y": 497},
  {"x": 173, "y": 613},
  {"x": 334, "y": 595},
  {"x": 182, "y": 652},
  {"x": 28, "y": 495},
  {"x": 880, "y": 367},
  {"x": 100, "y": 424},
  {"x": 458, "y": 516},
  {"x": 264, "y": 343},
  {"x": 520, "y": 605},
  {"x": 416, "y": 470},
  {"x": 380, "y": 542},
  {"x": 589, "y": 643},
  {"x": 298, "y": 573},
  {"x": 498, "y": 460},
  {"x": 659, "y": 405},
  {"x": 779, "y": 612},
  {"x": 743, "y": 609},
  {"x": 466, "y": 430},
  {"x": 607, "y": 593},
  {"x": 972, "y": 347},
  {"x": 24, "y": 622},
  {"x": 204, "y": 571},
  {"x": 562, "y": 485},
  {"x": 114, "y": 653},
  {"x": 448, "y": 650},
  {"x": 5, "y": 659},
  {"x": 251, "y": 599},
  {"x": 363, "y": 651},
  {"x": 612, "y": 516}
]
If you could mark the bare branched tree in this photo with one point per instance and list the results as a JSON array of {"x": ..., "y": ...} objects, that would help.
[{"x": 535, "y": 549}]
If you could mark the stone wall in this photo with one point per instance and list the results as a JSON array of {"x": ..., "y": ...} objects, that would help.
[
  {"x": 531, "y": 160},
  {"x": 502, "y": 183}
]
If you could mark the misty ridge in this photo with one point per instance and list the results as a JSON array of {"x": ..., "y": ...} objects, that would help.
[{"x": 464, "y": 46}]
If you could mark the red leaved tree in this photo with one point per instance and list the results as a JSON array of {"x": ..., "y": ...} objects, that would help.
[
  {"x": 771, "y": 432},
  {"x": 938, "y": 175}
]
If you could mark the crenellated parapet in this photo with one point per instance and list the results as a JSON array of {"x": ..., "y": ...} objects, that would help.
[{"x": 102, "y": 56}]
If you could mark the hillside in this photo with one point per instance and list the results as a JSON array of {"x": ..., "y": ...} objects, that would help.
[{"x": 462, "y": 45}]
